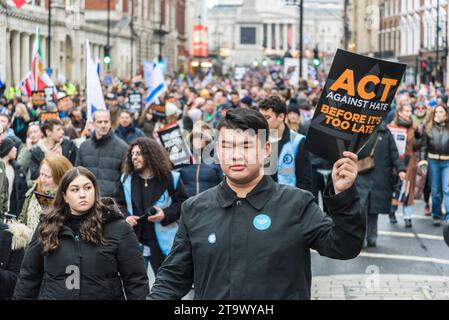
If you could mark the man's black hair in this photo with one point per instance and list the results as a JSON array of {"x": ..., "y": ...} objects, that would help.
[
  {"x": 275, "y": 103},
  {"x": 126, "y": 111},
  {"x": 6, "y": 115},
  {"x": 245, "y": 119}
]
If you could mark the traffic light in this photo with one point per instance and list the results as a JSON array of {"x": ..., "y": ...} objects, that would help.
[
  {"x": 278, "y": 61},
  {"x": 316, "y": 58},
  {"x": 107, "y": 55}
]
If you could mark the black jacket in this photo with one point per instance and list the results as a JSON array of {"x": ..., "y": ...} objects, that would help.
[
  {"x": 69, "y": 151},
  {"x": 303, "y": 168},
  {"x": 104, "y": 158},
  {"x": 375, "y": 188},
  {"x": 101, "y": 268},
  {"x": 10, "y": 258},
  {"x": 436, "y": 142},
  {"x": 19, "y": 191},
  {"x": 258, "y": 247}
]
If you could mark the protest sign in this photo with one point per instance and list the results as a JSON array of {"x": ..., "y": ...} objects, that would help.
[
  {"x": 65, "y": 104},
  {"x": 400, "y": 137},
  {"x": 158, "y": 111},
  {"x": 135, "y": 102},
  {"x": 172, "y": 139},
  {"x": 48, "y": 115},
  {"x": 356, "y": 98},
  {"x": 49, "y": 94},
  {"x": 38, "y": 99}
]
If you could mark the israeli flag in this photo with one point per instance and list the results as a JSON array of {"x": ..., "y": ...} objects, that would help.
[
  {"x": 154, "y": 81},
  {"x": 2, "y": 76},
  {"x": 94, "y": 92}
]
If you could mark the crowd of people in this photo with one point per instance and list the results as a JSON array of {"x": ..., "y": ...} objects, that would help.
[{"x": 55, "y": 170}]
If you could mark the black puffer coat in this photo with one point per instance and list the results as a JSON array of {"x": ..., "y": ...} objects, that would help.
[
  {"x": 78, "y": 270},
  {"x": 13, "y": 240},
  {"x": 104, "y": 158}
]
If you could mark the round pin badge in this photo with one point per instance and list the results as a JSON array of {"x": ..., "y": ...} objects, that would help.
[
  {"x": 262, "y": 222},
  {"x": 212, "y": 238}
]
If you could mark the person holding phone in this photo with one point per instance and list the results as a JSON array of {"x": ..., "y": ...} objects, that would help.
[{"x": 147, "y": 182}]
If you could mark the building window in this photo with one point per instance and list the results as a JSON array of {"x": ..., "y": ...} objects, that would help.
[{"x": 247, "y": 35}]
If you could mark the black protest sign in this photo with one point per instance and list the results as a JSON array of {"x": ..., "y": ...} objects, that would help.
[
  {"x": 158, "y": 111},
  {"x": 48, "y": 115},
  {"x": 65, "y": 104},
  {"x": 172, "y": 140},
  {"x": 38, "y": 99},
  {"x": 355, "y": 100},
  {"x": 135, "y": 102}
]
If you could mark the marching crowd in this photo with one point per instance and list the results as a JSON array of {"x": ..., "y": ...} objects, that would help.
[{"x": 114, "y": 167}]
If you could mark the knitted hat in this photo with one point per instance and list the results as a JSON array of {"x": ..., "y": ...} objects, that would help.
[
  {"x": 6, "y": 147},
  {"x": 247, "y": 100}
]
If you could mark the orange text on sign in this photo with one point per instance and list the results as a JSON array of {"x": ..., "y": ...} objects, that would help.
[{"x": 346, "y": 82}]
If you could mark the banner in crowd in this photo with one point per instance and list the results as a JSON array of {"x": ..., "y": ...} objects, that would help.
[
  {"x": 94, "y": 92},
  {"x": 65, "y": 104},
  {"x": 400, "y": 137},
  {"x": 48, "y": 115},
  {"x": 135, "y": 102},
  {"x": 38, "y": 99},
  {"x": 158, "y": 111},
  {"x": 172, "y": 140},
  {"x": 355, "y": 100},
  {"x": 49, "y": 94}
]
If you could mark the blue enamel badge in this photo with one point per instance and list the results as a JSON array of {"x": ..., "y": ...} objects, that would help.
[
  {"x": 212, "y": 238},
  {"x": 262, "y": 222}
]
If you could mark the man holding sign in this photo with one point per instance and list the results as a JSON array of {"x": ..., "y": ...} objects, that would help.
[{"x": 260, "y": 230}]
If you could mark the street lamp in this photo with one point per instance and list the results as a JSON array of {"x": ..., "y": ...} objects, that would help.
[
  {"x": 300, "y": 5},
  {"x": 437, "y": 50}
]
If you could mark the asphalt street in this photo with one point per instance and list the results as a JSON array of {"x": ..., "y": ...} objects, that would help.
[{"x": 407, "y": 263}]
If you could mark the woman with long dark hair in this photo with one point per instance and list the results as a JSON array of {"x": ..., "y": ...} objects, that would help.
[
  {"x": 82, "y": 249},
  {"x": 403, "y": 120},
  {"x": 435, "y": 150}
]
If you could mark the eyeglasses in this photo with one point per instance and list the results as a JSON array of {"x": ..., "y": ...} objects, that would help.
[{"x": 137, "y": 154}]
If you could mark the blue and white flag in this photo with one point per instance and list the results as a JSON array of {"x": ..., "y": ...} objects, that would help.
[
  {"x": 2, "y": 76},
  {"x": 154, "y": 81},
  {"x": 97, "y": 64},
  {"x": 95, "y": 99}
]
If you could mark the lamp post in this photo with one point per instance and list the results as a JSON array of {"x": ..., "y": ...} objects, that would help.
[
  {"x": 437, "y": 45},
  {"x": 300, "y": 5}
]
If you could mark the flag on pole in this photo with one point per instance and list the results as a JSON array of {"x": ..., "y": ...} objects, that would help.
[
  {"x": 97, "y": 64},
  {"x": 27, "y": 84},
  {"x": 154, "y": 81},
  {"x": 2, "y": 76},
  {"x": 95, "y": 99},
  {"x": 41, "y": 78},
  {"x": 19, "y": 3}
]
